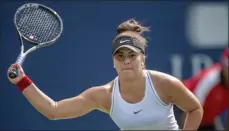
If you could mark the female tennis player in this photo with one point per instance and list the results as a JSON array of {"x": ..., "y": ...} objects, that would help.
[{"x": 137, "y": 99}]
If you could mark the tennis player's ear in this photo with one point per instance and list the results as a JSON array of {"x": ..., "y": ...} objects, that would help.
[
  {"x": 143, "y": 66},
  {"x": 143, "y": 62}
]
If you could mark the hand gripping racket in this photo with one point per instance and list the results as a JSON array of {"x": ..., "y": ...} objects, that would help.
[{"x": 38, "y": 25}]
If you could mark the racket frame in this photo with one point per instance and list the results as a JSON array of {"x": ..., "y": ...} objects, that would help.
[
  {"x": 21, "y": 57},
  {"x": 23, "y": 54}
]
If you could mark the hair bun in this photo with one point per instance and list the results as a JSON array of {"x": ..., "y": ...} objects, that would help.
[{"x": 131, "y": 25}]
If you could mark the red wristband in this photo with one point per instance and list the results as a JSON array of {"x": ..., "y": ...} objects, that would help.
[{"x": 24, "y": 83}]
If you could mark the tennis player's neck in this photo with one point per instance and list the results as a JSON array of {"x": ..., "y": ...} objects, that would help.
[{"x": 132, "y": 84}]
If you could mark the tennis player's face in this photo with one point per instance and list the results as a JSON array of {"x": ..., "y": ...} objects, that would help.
[{"x": 128, "y": 62}]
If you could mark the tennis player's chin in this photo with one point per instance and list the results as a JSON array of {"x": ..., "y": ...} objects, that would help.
[{"x": 128, "y": 73}]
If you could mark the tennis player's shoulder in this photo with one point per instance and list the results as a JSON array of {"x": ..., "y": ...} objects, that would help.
[
  {"x": 166, "y": 85},
  {"x": 98, "y": 90},
  {"x": 102, "y": 96},
  {"x": 102, "y": 91},
  {"x": 164, "y": 79},
  {"x": 162, "y": 75},
  {"x": 103, "y": 88}
]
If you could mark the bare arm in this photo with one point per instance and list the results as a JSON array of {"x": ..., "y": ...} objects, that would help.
[
  {"x": 64, "y": 109},
  {"x": 67, "y": 108},
  {"x": 187, "y": 102}
]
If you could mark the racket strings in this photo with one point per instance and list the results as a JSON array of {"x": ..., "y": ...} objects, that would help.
[{"x": 38, "y": 24}]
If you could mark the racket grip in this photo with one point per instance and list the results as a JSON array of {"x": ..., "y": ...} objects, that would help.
[
  {"x": 14, "y": 73},
  {"x": 20, "y": 59}
]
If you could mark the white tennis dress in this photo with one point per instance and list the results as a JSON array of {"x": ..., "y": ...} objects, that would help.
[{"x": 149, "y": 114}]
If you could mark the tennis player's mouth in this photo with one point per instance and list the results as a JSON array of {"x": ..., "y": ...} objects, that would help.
[{"x": 127, "y": 69}]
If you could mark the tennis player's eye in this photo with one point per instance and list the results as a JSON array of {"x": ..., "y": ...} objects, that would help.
[
  {"x": 120, "y": 57},
  {"x": 132, "y": 55}
]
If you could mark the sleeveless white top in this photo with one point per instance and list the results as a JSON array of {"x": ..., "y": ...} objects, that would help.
[{"x": 149, "y": 114}]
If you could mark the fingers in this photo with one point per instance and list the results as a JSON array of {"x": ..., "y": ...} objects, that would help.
[
  {"x": 14, "y": 66},
  {"x": 17, "y": 67},
  {"x": 11, "y": 72}
]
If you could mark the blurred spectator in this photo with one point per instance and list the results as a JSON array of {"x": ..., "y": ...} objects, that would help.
[{"x": 211, "y": 86}]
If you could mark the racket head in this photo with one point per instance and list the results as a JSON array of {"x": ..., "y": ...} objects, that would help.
[{"x": 38, "y": 24}]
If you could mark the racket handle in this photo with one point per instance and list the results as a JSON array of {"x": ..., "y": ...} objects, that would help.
[
  {"x": 14, "y": 73},
  {"x": 20, "y": 59}
]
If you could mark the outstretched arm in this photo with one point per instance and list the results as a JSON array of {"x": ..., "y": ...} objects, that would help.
[
  {"x": 67, "y": 108},
  {"x": 64, "y": 109}
]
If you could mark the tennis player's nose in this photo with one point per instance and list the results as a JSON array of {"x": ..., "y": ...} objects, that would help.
[{"x": 127, "y": 61}]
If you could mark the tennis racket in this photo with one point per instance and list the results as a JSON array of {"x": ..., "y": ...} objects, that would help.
[{"x": 38, "y": 25}]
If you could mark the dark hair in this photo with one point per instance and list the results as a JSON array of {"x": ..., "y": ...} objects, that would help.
[{"x": 132, "y": 28}]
